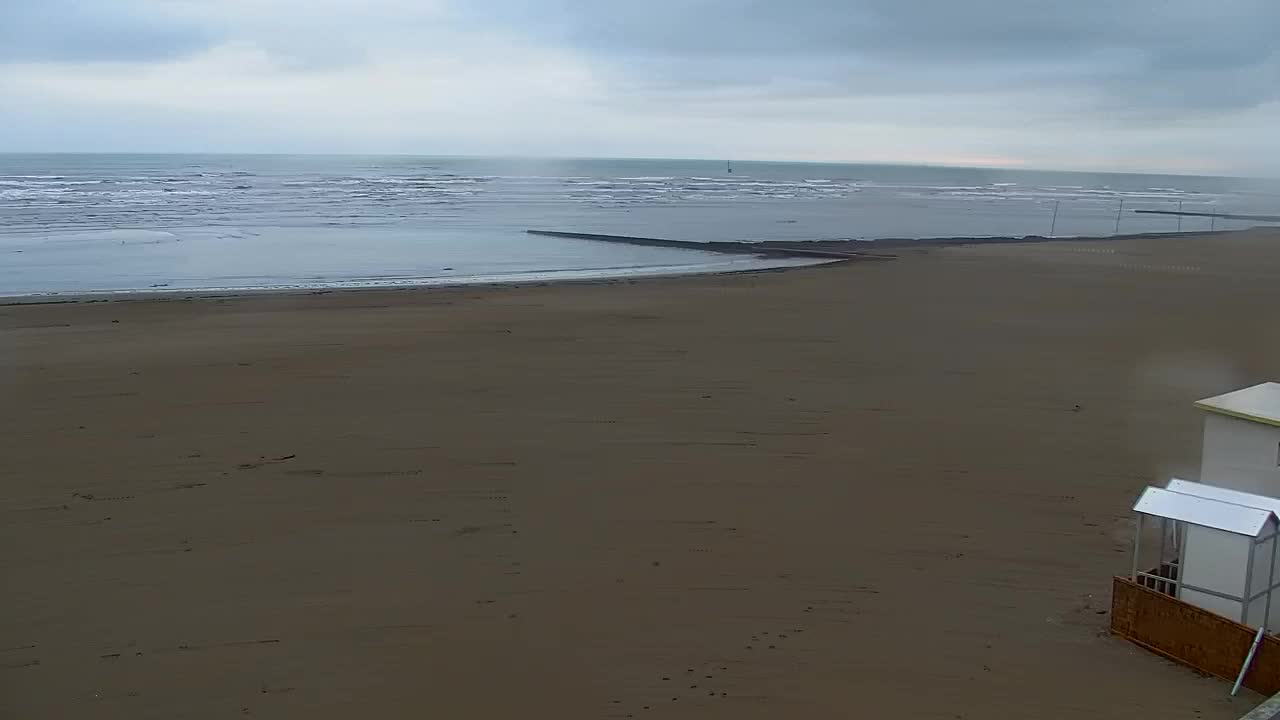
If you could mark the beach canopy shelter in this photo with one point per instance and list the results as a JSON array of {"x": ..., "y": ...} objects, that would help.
[
  {"x": 1217, "y": 549},
  {"x": 1242, "y": 440}
]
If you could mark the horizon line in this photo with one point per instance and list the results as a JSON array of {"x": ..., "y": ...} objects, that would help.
[{"x": 873, "y": 163}]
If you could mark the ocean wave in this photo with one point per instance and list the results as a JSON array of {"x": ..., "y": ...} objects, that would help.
[
  {"x": 539, "y": 177},
  {"x": 20, "y": 181}
]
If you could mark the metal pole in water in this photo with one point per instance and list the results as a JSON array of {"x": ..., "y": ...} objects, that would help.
[
  {"x": 1179, "y": 217},
  {"x": 1118, "y": 212},
  {"x": 1054, "y": 225},
  {"x": 1213, "y": 222}
]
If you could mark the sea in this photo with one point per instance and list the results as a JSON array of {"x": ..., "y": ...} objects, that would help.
[{"x": 117, "y": 223}]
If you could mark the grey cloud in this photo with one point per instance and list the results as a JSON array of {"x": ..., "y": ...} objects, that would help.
[
  {"x": 92, "y": 30},
  {"x": 910, "y": 29},
  {"x": 58, "y": 31},
  {"x": 1129, "y": 57},
  {"x": 979, "y": 72}
]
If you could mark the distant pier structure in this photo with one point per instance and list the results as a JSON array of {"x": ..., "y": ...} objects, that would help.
[{"x": 1222, "y": 216}]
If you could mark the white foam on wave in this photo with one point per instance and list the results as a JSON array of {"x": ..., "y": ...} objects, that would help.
[
  {"x": 540, "y": 177},
  {"x": 127, "y": 237}
]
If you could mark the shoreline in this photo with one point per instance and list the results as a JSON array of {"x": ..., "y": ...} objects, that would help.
[
  {"x": 124, "y": 296},
  {"x": 855, "y": 249}
]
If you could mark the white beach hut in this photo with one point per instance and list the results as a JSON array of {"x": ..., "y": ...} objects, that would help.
[
  {"x": 1242, "y": 440},
  {"x": 1220, "y": 553}
]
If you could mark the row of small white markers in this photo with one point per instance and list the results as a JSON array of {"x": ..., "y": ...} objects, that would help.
[{"x": 1133, "y": 266}]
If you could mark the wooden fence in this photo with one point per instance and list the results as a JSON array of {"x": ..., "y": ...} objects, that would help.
[{"x": 1192, "y": 636}]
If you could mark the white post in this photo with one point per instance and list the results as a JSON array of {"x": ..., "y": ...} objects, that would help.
[
  {"x": 1248, "y": 584},
  {"x": 1164, "y": 530},
  {"x": 1248, "y": 660},
  {"x": 1271, "y": 578},
  {"x": 1181, "y": 530},
  {"x": 1137, "y": 545}
]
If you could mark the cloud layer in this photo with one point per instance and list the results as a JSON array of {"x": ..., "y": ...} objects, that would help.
[{"x": 1177, "y": 85}]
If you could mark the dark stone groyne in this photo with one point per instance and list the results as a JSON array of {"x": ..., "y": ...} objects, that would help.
[{"x": 767, "y": 249}]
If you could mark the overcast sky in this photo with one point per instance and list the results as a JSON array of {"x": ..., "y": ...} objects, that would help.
[{"x": 1161, "y": 85}]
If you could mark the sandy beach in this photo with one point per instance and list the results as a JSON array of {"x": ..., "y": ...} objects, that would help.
[{"x": 883, "y": 488}]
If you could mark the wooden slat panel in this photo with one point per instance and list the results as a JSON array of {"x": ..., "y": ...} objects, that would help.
[{"x": 1190, "y": 635}]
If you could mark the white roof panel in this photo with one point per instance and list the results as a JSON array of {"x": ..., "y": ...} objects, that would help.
[
  {"x": 1236, "y": 497},
  {"x": 1260, "y": 403},
  {"x": 1202, "y": 511}
]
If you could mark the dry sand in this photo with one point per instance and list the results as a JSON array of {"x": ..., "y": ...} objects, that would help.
[{"x": 853, "y": 491}]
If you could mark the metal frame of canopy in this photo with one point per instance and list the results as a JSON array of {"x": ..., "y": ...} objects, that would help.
[{"x": 1215, "y": 514}]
